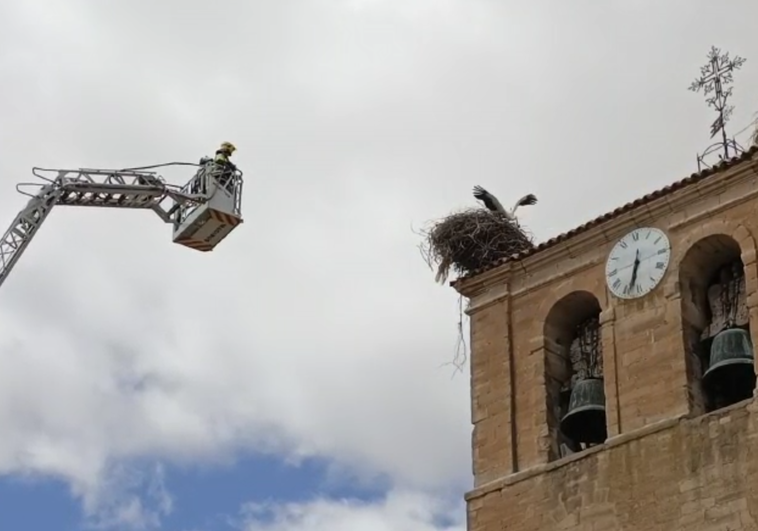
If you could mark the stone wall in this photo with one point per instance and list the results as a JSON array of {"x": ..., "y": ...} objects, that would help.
[{"x": 696, "y": 474}]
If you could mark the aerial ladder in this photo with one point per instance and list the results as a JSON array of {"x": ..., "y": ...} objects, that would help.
[{"x": 202, "y": 212}]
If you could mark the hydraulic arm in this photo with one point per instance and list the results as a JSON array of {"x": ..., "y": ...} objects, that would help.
[{"x": 94, "y": 188}]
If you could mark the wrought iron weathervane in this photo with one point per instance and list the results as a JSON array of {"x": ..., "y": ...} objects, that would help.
[{"x": 714, "y": 78}]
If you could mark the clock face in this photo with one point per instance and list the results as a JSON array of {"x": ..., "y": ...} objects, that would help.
[{"x": 637, "y": 263}]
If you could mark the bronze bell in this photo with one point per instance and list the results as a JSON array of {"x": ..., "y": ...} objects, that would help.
[
  {"x": 731, "y": 365},
  {"x": 585, "y": 420}
]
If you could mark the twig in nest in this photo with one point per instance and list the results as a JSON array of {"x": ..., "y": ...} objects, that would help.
[{"x": 469, "y": 240}]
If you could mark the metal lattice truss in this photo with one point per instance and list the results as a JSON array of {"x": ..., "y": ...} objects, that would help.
[{"x": 94, "y": 188}]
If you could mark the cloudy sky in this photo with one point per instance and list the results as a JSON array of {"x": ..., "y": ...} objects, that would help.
[{"x": 295, "y": 378}]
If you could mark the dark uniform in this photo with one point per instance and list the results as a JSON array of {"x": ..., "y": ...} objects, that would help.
[{"x": 222, "y": 160}]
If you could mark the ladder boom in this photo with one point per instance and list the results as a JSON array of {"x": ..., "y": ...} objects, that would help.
[
  {"x": 117, "y": 188},
  {"x": 87, "y": 187},
  {"x": 24, "y": 227}
]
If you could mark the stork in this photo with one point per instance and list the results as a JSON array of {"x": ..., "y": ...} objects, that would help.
[{"x": 492, "y": 203}]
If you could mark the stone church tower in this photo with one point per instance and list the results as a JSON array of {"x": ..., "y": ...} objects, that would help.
[{"x": 612, "y": 368}]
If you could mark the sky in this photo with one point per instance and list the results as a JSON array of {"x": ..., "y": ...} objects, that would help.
[{"x": 298, "y": 377}]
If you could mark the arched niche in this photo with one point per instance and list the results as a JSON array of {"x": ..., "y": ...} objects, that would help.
[
  {"x": 713, "y": 298},
  {"x": 565, "y": 321}
]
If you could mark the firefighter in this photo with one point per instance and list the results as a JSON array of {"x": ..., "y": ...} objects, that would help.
[
  {"x": 227, "y": 166},
  {"x": 223, "y": 153},
  {"x": 222, "y": 161}
]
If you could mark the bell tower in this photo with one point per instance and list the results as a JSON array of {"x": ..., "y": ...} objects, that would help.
[{"x": 613, "y": 371}]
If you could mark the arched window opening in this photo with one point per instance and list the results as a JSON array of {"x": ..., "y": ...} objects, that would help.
[
  {"x": 715, "y": 321},
  {"x": 574, "y": 375}
]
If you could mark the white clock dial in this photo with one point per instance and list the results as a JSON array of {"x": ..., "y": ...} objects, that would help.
[{"x": 637, "y": 263}]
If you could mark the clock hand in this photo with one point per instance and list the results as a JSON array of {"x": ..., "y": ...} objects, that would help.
[{"x": 634, "y": 268}]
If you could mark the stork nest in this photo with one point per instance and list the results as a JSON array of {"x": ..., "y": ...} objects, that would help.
[{"x": 470, "y": 240}]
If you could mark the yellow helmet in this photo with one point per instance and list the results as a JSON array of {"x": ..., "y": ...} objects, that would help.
[{"x": 228, "y": 146}]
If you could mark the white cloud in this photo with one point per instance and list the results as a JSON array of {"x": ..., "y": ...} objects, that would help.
[
  {"x": 400, "y": 511},
  {"x": 315, "y": 329},
  {"x": 114, "y": 505}
]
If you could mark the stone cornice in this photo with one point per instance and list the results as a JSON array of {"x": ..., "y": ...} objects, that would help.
[
  {"x": 472, "y": 287},
  {"x": 750, "y": 404},
  {"x": 740, "y": 178}
]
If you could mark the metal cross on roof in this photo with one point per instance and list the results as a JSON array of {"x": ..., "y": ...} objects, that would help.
[{"x": 714, "y": 78}]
